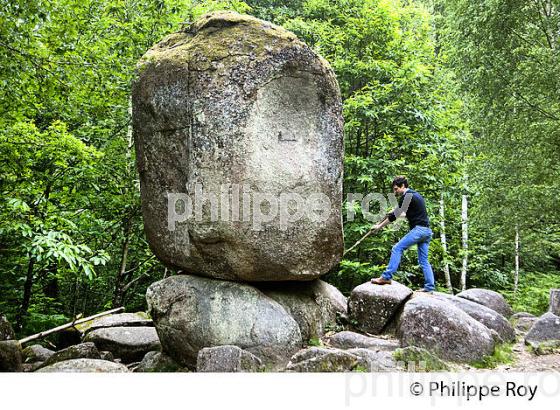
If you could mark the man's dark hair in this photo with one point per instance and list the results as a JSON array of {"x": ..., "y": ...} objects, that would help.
[{"x": 399, "y": 181}]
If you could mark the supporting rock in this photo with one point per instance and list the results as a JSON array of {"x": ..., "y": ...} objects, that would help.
[
  {"x": 314, "y": 305},
  {"x": 227, "y": 359},
  {"x": 191, "y": 313}
]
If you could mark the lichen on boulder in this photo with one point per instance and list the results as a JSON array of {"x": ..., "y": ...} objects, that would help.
[{"x": 237, "y": 102}]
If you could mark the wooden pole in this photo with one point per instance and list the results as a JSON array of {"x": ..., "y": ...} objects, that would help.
[
  {"x": 68, "y": 325},
  {"x": 372, "y": 230}
]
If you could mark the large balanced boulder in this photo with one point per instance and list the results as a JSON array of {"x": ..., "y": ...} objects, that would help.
[
  {"x": 445, "y": 330},
  {"x": 373, "y": 306},
  {"x": 488, "y": 298},
  {"x": 227, "y": 359},
  {"x": 129, "y": 343},
  {"x": 488, "y": 317},
  {"x": 191, "y": 313},
  {"x": 314, "y": 305},
  {"x": 544, "y": 335},
  {"x": 84, "y": 366},
  {"x": 237, "y": 105}
]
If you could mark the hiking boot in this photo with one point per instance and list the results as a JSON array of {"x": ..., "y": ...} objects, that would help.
[
  {"x": 381, "y": 281},
  {"x": 424, "y": 290}
]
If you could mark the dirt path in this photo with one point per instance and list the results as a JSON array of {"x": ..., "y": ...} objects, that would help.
[{"x": 525, "y": 360}]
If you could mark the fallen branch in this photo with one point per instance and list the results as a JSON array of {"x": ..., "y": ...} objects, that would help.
[{"x": 68, "y": 325}]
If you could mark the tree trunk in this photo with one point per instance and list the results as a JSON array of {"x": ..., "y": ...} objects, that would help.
[
  {"x": 119, "y": 280},
  {"x": 555, "y": 301},
  {"x": 444, "y": 244},
  {"x": 516, "y": 274},
  {"x": 27, "y": 287},
  {"x": 465, "y": 237}
]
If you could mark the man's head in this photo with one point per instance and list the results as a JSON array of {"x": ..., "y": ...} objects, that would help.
[{"x": 400, "y": 184}]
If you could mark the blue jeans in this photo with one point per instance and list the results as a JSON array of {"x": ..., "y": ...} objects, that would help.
[{"x": 421, "y": 236}]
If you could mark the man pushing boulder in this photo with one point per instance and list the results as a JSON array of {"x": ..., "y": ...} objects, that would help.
[{"x": 419, "y": 234}]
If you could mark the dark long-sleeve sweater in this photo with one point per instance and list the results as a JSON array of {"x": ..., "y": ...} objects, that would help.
[{"x": 416, "y": 213}]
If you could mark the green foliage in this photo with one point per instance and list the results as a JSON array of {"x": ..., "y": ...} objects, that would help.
[
  {"x": 503, "y": 354},
  {"x": 419, "y": 359},
  {"x": 533, "y": 294}
]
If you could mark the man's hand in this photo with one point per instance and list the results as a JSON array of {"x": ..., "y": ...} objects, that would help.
[{"x": 381, "y": 224}]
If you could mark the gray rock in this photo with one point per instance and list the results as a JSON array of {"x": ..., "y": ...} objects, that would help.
[
  {"x": 488, "y": 317},
  {"x": 130, "y": 343},
  {"x": 523, "y": 321},
  {"x": 6, "y": 330},
  {"x": 228, "y": 359},
  {"x": 373, "y": 306},
  {"x": 84, "y": 366},
  {"x": 350, "y": 340},
  {"x": 319, "y": 359},
  {"x": 523, "y": 324},
  {"x": 444, "y": 330},
  {"x": 376, "y": 361},
  {"x": 121, "y": 320},
  {"x": 544, "y": 335},
  {"x": 488, "y": 298},
  {"x": 10, "y": 356},
  {"x": 191, "y": 313},
  {"x": 157, "y": 362},
  {"x": 80, "y": 351},
  {"x": 238, "y": 102},
  {"x": 36, "y": 353},
  {"x": 314, "y": 305}
]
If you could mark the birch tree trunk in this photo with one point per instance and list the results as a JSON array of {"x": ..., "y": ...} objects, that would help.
[
  {"x": 464, "y": 229},
  {"x": 444, "y": 244},
  {"x": 516, "y": 275}
]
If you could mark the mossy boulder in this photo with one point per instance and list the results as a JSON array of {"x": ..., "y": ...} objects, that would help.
[
  {"x": 239, "y": 105},
  {"x": 417, "y": 358},
  {"x": 10, "y": 356},
  {"x": 6, "y": 330},
  {"x": 324, "y": 360},
  {"x": 544, "y": 335}
]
